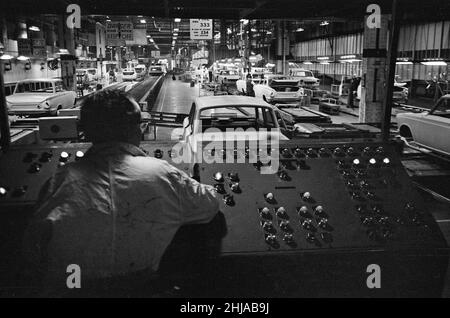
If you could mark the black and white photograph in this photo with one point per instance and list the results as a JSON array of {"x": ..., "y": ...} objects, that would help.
[{"x": 223, "y": 154}]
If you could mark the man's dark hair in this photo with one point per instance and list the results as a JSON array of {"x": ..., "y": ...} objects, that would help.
[{"x": 109, "y": 115}]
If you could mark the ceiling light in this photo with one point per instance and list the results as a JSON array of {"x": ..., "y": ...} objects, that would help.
[
  {"x": 434, "y": 63},
  {"x": 151, "y": 40},
  {"x": 23, "y": 58},
  {"x": 108, "y": 20},
  {"x": 6, "y": 57},
  {"x": 177, "y": 20},
  {"x": 307, "y": 63},
  {"x": 300, "y": 30},
  {"x": 34, "y": 28},
  {"x": 324, "y": 23},
  {"x": 143, "y": 21},
  {"x": 175, "y": 33},
  {"x": 323, "y": 58},
  {"x": 348, "y": 56},
  {"x": 149, "y": 36},
  {"x": 175, "y": 30}
]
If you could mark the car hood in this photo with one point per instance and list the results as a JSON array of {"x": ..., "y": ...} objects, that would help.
[
  {"x": 410, "y": 115},
  {"x": 28, "y": 98},
  {"x": 306, "y": 78}
]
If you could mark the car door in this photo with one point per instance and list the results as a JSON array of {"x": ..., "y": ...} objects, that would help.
[{"x": 433, "y": 128}]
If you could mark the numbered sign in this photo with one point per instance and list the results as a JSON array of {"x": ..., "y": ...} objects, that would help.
[{"x": 201, "y": 29}]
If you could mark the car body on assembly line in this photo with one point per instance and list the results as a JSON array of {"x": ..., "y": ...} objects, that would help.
[
  {"x": 279, "y": 90},
  {"x": 39, "y": 96},
  {"x": 430, "y": 129}
]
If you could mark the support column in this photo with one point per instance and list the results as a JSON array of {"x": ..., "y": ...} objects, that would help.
[
  {"x": 68, "y": 61},
  {"x": 374, "y": 72},
  {"x": 279, "y": 47}
]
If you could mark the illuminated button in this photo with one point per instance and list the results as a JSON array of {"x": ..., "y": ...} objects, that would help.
[
  {"x": 286, "y": 153},
  {"x": 3, "y": 192},
  {"x": 218, "y": 177},
  {"x": 386, "y": 161},
  {"x": 303, "y": 211},
  {"x": 220, "y": 188},
  {"x": 299, "y": 153},
  {"x": 64, "y": 156},
  {"x": 283, "y": 175},
  {"x": 79, "y": 154},
  {"x": 310, "y": 237},
  {"x": 307, "y": 225},
  {"x": 372, "y": 161},
  {"x": 356, "y": 162},
  {"x": 270, "y": 197},
  {"x": 35, "y": 167}
]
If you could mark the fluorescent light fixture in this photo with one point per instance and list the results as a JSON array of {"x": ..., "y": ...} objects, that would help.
[
  {"x": 244, "y": 21},
  {"x": 177, "y": 20},
  {"x": 253, "y": 29},
  {"x": 434, "y": 63},
  {"x": 352, "y": 56},
  {"x": 321, "y": 58},
  {"x": 300, "y": 30},
  {"x": 143, "y": 21},
  {"x": 108, "y": 20},
  {"x": 403, "y": 62},
  {"x": 269, "y": 32},
  {"x": 149, "y": 36},
  {"x": 6, "y": 57},
  {"x": 175, "y": 34},
  {"x": 151, "y": 40},
  {"x": 324, "y": 23},
  {"x": 176, "y": 30},
  {"x": 325, "y": 63},
  {"x": 34, "y": 28},
  {"x": 307, "y": 62},
  {"x": 23, "y": 58}
]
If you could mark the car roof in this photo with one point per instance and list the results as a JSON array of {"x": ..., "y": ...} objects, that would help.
[
  {"x": 229, "y": 100},
  {"x": 40, "y": 80}
]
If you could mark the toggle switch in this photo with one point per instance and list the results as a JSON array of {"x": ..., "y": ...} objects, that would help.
[
  {"x": 286, "y": 153},
  {"x": 271, "y": 239}
]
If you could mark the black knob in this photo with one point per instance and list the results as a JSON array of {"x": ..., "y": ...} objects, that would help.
[
  {"x": 35, "y": 167},
  {"x": 269, "y": 197},
  {"x": 235, "y": 187},
  {"x": 299, "y": 153},
  {"x": 220, "y": 188},
  {"x": 234, "y": 177},
  {"x": 288, "y": 238},
  {"x": 284, "y": 175},
  {"x": 286, "y": 153},
  {"x": 229, "y": 200}
]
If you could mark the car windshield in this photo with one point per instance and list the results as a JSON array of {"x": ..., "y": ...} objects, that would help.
[
  {"x": 34, "y": 87},
  {"x": 128, "y": 73},
  {"x": 285, "y": 88},
  {"x": 303, "y": 73},
  {"x": 237, "y": 117}
]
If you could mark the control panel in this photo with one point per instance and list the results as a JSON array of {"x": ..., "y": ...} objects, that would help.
[
  {"x": 322, "y": 196},
  {"x": 23, "y": 170}
]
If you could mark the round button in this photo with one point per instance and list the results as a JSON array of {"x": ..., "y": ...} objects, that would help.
[
  {"x": 64, "y": 156},
  {"x": 372, "y": 161},
  {"x": 218, "y": 177},
  {"x": 269, "y": 196},
  {"x": 356, "y": 162},
  {"x": 303, "y": 211},
  {"x": 386, "y": 161},
  {"x": 306, "y": 196},
  {"x": 265, "y": 211},
  {"x": 235, "y": 187}
]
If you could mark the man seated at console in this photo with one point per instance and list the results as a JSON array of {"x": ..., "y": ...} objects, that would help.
[{"x": 114, "y": 212}]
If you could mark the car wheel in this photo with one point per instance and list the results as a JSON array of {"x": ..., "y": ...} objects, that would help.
[{"x": 405, "y": 132}]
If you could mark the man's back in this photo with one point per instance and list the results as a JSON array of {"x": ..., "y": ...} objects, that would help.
[{"x": 116, "y": 211}]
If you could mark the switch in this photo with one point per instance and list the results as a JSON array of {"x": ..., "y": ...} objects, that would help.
[
  {"x": 269, "y": 197},
  {"x": 35, "y": 167},
  {"x": 299, "y": 153},
  {"x": 78, "y": 155},
  {"x": 64, "y": 156},
  {"x": 218, "y": 177},
  {"x": 268, "y": 227},
  {"x": 306, "y": 196},
  {"x": 307, "y": 225},
  {"x": 45, "y": 156},
  {"x": 235, "y": 187},
  {"x": 284, "y": 225},
  {"x": 271, "y": 239},
  {"x": 386, "y": 161},
  {"x": 288, "y": 238},
  {"x": 158, "y": 153},
  {"x": 286, "y": 153},
  {"x": 303, "y": 212},
  {"x": 281, "y": 213},
  {"x": 229, "y": 200},
  {"x": 20, "y": 191},
  {"x": 265, "y": 213},
  {"x": 220, "y": 188},
  {"x": 319, "y": 211},
  {"x": 234, "y": 177},
  {"x": 311, "y": 153}
]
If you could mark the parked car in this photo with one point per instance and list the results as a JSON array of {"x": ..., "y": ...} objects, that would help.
[
  {"x": 305, "y": 78},
  {"x": 400, "y": 94},
  {"x": 279, "y": 90},
  {"x": 140, "y": 70},
  {"x": 227, "y": 77},
  {"x": 129, "y": 75},
  {"x": 39, "y": 96},
  {"x": 156, "y": 70},
  {"x": 430, "y": 129}
]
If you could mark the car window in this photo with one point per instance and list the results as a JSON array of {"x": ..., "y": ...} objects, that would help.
[{"x": 59, "y": 87}]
